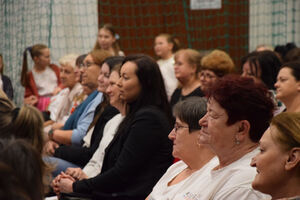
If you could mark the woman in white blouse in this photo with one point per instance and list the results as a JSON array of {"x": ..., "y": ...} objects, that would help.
[{"x": 195, "y": 158}]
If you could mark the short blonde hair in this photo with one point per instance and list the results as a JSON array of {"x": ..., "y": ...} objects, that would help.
[
  {"x": 288, "y": 126},
  {"x": 69, "y": 59},
  {"x": 219, "y": 62}
]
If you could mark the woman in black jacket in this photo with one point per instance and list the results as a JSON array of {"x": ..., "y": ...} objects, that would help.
[{"x": 140, "y": 152}]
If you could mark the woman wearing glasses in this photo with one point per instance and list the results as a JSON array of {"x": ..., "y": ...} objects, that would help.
[{"x": 195, "y": 158}]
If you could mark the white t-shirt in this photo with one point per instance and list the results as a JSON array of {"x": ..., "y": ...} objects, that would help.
[
  {"x": 167, "y": 70},
  {"x": 162, "y": 191},
  {"x": 45, "y": 81},
  {"x": 94, "y": 166},
  {"x": 229, "y": 183}
]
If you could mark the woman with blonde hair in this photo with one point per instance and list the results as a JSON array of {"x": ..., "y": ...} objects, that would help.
[
  {"x": 279, "y": 154},
  {"x": 187, "y": 66}
]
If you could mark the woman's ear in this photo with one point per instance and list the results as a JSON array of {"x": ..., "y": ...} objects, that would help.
[
  {"x": 170, "y": 46},
  {"x": 35, "y": 58},
  {"x": 243, "y": 127},
  {"x": 293, "y": 159}
]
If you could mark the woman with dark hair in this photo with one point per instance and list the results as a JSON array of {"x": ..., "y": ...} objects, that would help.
[
  {"x": 140, "y": 152},
  {"x": 288, "y": 86},
  {"x": 262, "y": 66},
  {"x": 238, "y": 113}
]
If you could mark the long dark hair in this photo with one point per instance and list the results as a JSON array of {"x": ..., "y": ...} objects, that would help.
[
  {"x": 153, "y": 92},
  {"x": 269, "y": 65}
]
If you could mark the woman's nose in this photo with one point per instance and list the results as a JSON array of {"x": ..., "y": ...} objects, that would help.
[
  {"x": 203, "y": 121},
  {"x": 171, "y": 135}
]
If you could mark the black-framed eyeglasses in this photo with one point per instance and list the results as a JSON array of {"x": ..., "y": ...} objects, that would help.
[{"x": 176, "y": 127}]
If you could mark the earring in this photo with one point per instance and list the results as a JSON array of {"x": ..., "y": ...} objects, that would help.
[
  {"x": 237, "y": 141},
  {"x": 198, "y": 143}
]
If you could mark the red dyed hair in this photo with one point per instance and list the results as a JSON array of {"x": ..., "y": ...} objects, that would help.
[{"x": 243, "y": 99}]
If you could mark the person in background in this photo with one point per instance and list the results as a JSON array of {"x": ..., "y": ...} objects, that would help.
[
  {"x": 165, "y": 45},
  {"x": 140, "y": 151},
  {"x": 214, "y": 65},
  {"x": 43, "y": 80},
  {"x": 233, "y": 130},
  {"x": 195, "y": 158},
  {"x": 293, "y": 55},
  {"x": 187, "y": 66},
  {"x": 282, "y": 50},
  {"x": 278, "y": 162},
  {"x": 288, "y": 86},
  {"x": 5, "y": 82},
  {"x": 264, "y": 47},
  {"x": 108, "y": 40},
  {"x": 263, "y": 67}
]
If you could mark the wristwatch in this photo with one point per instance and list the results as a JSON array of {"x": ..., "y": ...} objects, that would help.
[{"x": 50, "y": 133}]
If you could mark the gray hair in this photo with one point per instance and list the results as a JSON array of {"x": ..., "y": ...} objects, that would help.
[
  {"x": 69, "y": 59},
  {"x": 190, "y": 111}
]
